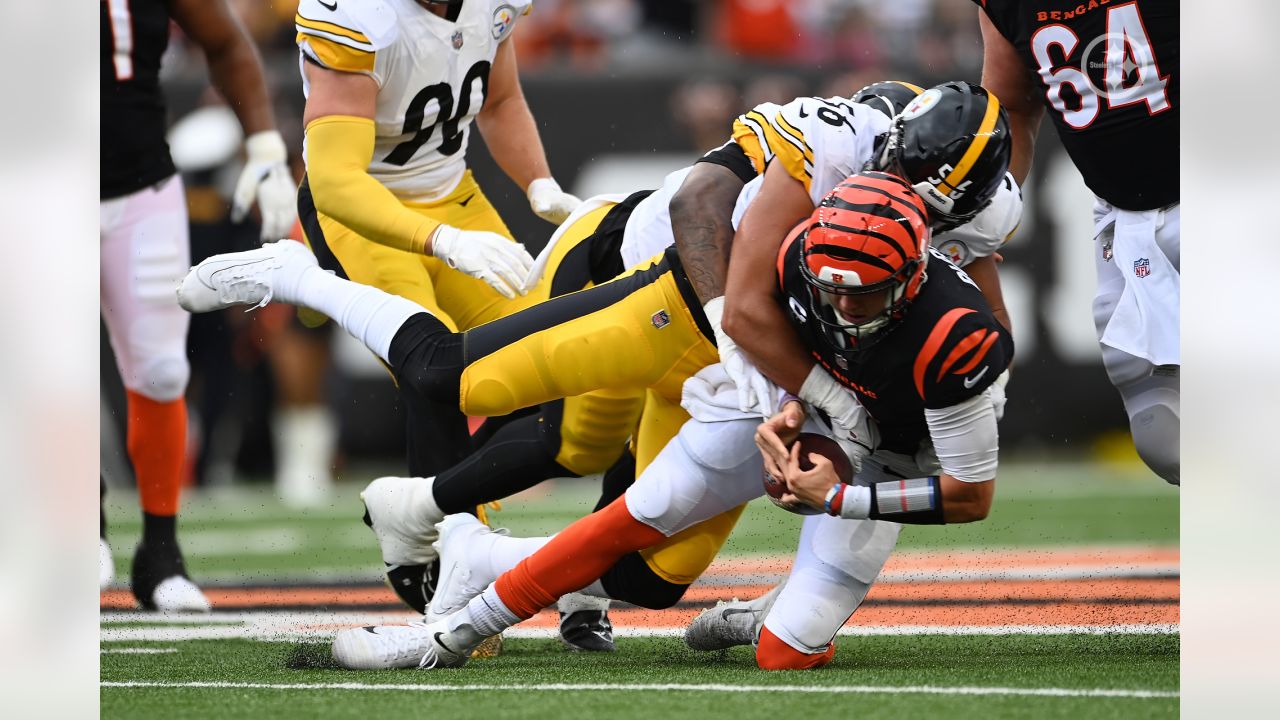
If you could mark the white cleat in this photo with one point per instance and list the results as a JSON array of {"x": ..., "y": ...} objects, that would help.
[
  {"x": 178, "y": 595},
  {"x": 403, "y": 515},
  {"x": 387, "y": 647},
  {"x": 732, "y": 623},
  {"x": 458, "y": 581},
  {"x": 106, "y": 564},
  {"x": 252, "y": 277}
]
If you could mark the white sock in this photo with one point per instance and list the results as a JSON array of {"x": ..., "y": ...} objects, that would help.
[
  {"x": 370, "y": 315},
  {"x": 495, "y": 554},
  {"x": 483, "y": 616},
  {"x": 582, "y": 600},
  {"x": 304, "y": 439}
]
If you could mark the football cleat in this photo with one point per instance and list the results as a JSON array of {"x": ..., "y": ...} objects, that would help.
[
  {"x": 387, "y": 647},
  {"x": 584, "y": 623},
  {"x": 159, "y": 582},
  {"x": 252, "y": 277},
  {"x": 736, "y": 622},
  {"x": 459, "y": 582},
  {"x": 402, "y": 513}
]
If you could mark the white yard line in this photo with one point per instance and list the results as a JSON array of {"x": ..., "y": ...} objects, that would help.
[
  {"x": 614, "y": 687},
  {"x": 301, "y": 626},
  {"x": 138, "y": 651}
]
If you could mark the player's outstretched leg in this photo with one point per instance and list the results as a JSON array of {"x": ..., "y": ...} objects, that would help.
[{"x": 730, "y": 623}]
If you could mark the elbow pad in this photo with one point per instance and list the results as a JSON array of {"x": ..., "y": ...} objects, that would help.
[{"x": 339, "y": 148}]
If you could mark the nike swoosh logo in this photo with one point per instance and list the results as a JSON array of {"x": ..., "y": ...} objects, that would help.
[
  {"x": 329, "y": 7},
  {"x": 734, "y": 611},
  {"x": 971, "y": 381},
  {"x": 463, "y": 203},
  {"x": 370, "y": 629},
  {"x": 803, "y": 114},
  {"x": 442, "y": 644}
]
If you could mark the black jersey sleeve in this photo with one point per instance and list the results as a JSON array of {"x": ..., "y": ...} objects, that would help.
[
  {"x": 731, "y": 156},
  {"x": 962, "y": 355}
]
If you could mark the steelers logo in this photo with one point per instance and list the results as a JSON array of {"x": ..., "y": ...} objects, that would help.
[
  {"x": 923, "y": 103},
  {"x": 503, "y": 20}
]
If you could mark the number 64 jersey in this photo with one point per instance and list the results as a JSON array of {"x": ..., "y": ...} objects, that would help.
[
  {"x": 1109, "y": 73},
  {"x": 432, "y": 74}
]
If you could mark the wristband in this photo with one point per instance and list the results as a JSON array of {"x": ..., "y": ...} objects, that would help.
[
  {"x": 916, "y": 501},
  {"x": 835, "y": 499},
  {"x": 788, "y": 397}
]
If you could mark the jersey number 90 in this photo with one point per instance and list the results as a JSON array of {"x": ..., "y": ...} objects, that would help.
[{"x": 447, "y": 117}]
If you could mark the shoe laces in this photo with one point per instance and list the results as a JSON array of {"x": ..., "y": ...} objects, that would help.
[{"x": 405, "y": 644}]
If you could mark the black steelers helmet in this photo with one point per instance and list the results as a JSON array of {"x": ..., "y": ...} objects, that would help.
[
  {"x": 889, "y": 97},
  {"x": 952, "y": 144}
]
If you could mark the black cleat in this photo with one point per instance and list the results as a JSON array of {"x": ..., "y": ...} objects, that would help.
[
  {"x": 587, "y": 631},
  {"x": 414, "y": 584},
  {"x": 159, "y": 580}
]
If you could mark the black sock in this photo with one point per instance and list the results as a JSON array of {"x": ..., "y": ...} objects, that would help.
[
  {"x": 102, "y": 512},
  {"x": 159, "y": 532},
  {"x": 620, "y": 476},
  {"x": 427, "y": 359},
  {"x": 632, "y": 580},
  {"x": 516, "y": 458}
]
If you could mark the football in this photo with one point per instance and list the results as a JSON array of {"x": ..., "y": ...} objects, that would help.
[{"x": 816, "y": 444}]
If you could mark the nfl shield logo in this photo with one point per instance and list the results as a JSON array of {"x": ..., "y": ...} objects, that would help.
[
  {"x": 457, "y": 39},
  {"x": 1142, "y": 267},
  {"x": 661, "y": 319}
]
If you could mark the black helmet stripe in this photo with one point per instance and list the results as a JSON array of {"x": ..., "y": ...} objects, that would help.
[
  {"x": 882, "y": 211},
  {"x": 842, "y": 253}
]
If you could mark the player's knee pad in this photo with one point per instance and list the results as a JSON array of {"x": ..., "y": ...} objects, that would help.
[
  {"x": 163, "y": 379},
  {"x": 1155, "y": 424},
  {"x": 594, "y": 429},
  {"x": 683, "y": 557},
  {"x": 774, "y": 654},
  {"x": 632, "y": 580}
]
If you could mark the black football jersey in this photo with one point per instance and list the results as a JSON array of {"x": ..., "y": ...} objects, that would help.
[
  {"x": 946, "y": 348},
  {"x": 134, "y": 155},
  {"x": 1109, "y": 74}
]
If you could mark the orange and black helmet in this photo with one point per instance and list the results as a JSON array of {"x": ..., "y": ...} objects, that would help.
[
  {"x": 869, "y": 234},
  {"x": 952, "y": 144}
]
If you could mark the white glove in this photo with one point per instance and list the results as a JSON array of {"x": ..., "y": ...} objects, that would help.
[
  {"x": 266, "y": 177},
  {"x": 849, "y": 419},
  {"x": 549, "y": 202},
  {"x": 484, "y": 255},
  {"x": 755, "y": 392}
]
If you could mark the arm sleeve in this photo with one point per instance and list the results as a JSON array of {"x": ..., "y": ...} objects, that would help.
[
  {"x": 339, "y": 148},
  {"x": 965, "y": 438}
]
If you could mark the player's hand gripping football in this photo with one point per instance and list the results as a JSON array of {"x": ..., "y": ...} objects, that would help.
[
  {"x": 808, "y": 487},
  {"x": 486, "y": 256},
  {"x": 774, "y": 436},
  {"x": 549, "y": 202},
  {"x": 266, "y": 178}
]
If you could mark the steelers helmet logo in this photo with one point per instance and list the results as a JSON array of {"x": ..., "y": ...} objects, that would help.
[
  {"x": 923, "y": 103},
  {"x": 503, "y": 19}
]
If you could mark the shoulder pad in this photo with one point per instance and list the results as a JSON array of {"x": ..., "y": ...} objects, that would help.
[
  {"x": 367, "y": 25},
  {"x": 988, "y": 231},
  {"x": 963, "y": 353}
]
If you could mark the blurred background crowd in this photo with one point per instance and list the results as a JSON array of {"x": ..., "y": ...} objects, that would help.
[{"x": 623, "y": 91}]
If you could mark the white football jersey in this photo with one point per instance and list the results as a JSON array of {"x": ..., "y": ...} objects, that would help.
[
  {"x": 819, "y": 141},
  {"x": 432, "y": 75}
]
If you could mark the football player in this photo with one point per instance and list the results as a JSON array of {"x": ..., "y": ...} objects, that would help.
[
  {"x": 145, "y": 250},
  {"x": 585, "y": 433},
  {"x": 651, "y": 308},
  {"x": 896, "y": 324},
  {"x": 1108, "y": 77},
  {"x": 392, "y": 89}
]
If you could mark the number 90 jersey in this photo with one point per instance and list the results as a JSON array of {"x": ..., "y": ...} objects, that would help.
[{"x": 432, "y": 75}]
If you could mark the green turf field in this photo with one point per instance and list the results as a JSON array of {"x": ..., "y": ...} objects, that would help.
[{"x": 244, "y": 536}]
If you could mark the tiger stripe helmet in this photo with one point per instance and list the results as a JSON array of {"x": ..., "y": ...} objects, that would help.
[
  {"x": 869, "y": 234},
  {"x": 952, "y": 143}
]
